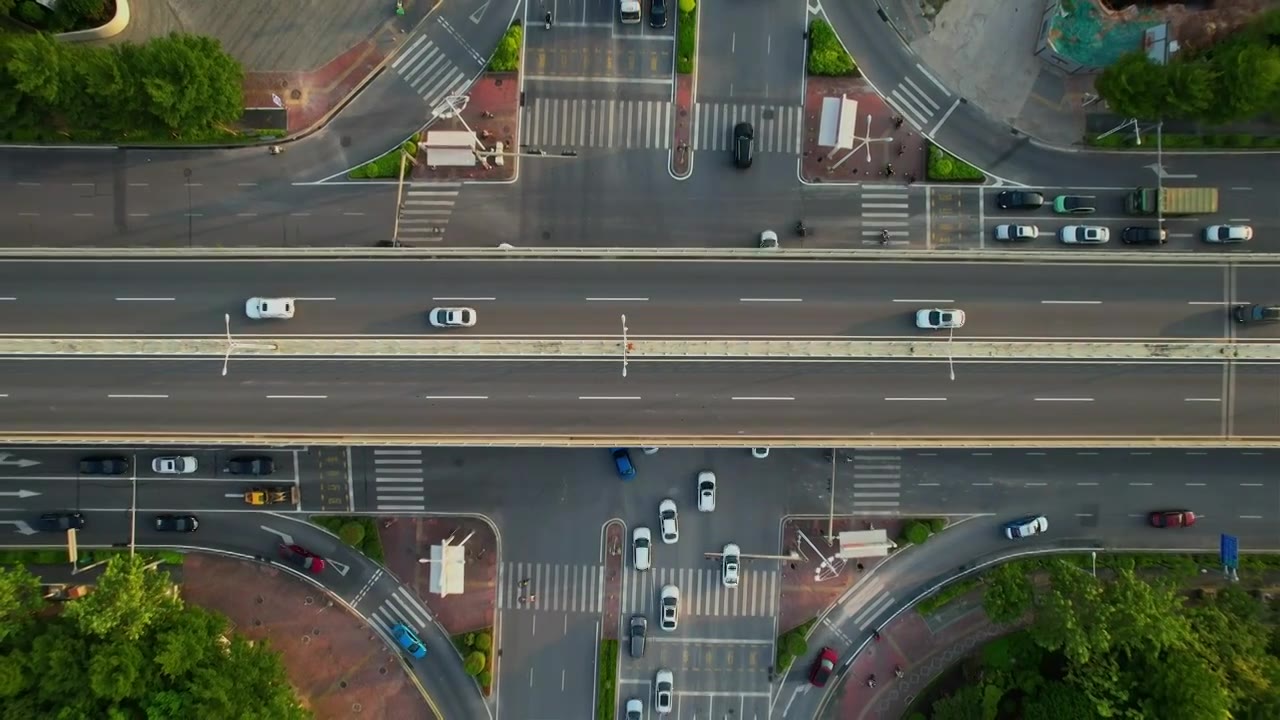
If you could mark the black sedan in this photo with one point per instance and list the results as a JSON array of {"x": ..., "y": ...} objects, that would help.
[
  {"x": 104, "y": 465},
  {"x": 744, "y": 136},
  {"x": 60, "y": 522},
  {"x": 251, "y": 465},
  {"x": 1019, "y": 200},
  {"x": 176, "y": 523}
]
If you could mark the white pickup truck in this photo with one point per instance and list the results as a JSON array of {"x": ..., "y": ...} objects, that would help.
[{"x": 629, "y": 10}]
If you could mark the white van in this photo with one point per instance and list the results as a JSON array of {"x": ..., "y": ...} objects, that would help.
[{"x": 629, "y": 10}]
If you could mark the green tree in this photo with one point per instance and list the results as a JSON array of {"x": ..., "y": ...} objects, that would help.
[
  {"x": 1248, "y": 76},
  {"x": 963, "y": 704},
  {"x": 1135, "y": 87},
  {"x": 189, "y": 83},
  {"x": 127, "y": 603},
  {"x": 1058, "y": 701},
  {"x": 1190, "y": 89},
  {"x": 1008, "y": 593},
  {"x": 19, "y": 600},
  {"x": 687, "y": 6}
]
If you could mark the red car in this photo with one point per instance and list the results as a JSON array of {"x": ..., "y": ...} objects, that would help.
[
  {"x": 823, "y": 667},
  {"x": 302, "y": 558},
  {"x": 1172, "y": 518}
]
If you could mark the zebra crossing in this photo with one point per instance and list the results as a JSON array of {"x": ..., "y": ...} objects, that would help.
[
  {"x": 778, "y": 127},
  {"x": 397, "y": 479},
  {"x": 425, "y": 210},
  {"x": 702, "y": 592},
  {"x": 885, "y": 209},
  {"x": 553, "y": 123},
  {"x": 426, "y": 69},
  {"x": 877, "y": 482},
  {"x": 915, "y": 103},
  {"x": 400, "y": 607},
  {"x": 555, "y": 586}
]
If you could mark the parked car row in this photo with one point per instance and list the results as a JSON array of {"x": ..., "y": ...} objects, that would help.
[
  {"x": 64, "y": 521},
  {"x": 1095, "y": 234},
  {"x": 281, "y": 308},
  {"x": 176, "y": 465}
]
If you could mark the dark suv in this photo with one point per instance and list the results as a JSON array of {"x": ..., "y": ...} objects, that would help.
[
  {"x": 1144, "y": 236},
  {"x": 1019, "y": 200},
  {"x": 104, "y": 465},
  {"x": 743, "y": 137},
  {"x": 658, "y": 13},
  {"x": 1256, "y": 313},
  {"x": 251, "y": 465}
]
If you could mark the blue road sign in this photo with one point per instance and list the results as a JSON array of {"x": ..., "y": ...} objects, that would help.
[{"x": 1229, "y": 551}]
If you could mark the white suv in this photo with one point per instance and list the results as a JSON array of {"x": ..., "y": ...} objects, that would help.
[
  {"x": 670, "y": 608},
  {"x": 706, "y": 491},
  {"x": 664, "y": 688},
  {"x": 668, "y": 521},
  {"x": 730, "y": 565},
  {"x": 260, "y": 308},
  {"x": 642, "y": 548},
  {"x": 174, "y": 465}
]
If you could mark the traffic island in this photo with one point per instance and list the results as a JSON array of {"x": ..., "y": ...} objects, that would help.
[
  {"x": 337, "y": 663},
  {"x": 680, "y": 164},
  {"x": 613, "y": 540},
  {"x": 414, "y": 553}
]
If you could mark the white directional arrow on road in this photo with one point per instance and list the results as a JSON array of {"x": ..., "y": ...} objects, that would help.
[
  {"x": 341, "y": 568},
  {"x": 19, "y": 493},
  {"x": 20, "y": 525},
  {"x": 479, "y": 13},
  {"x": 1158, "y": 169},
  {"x": 802, "y": 689},
  {"x": 20, "y": 462},
  {"x": 285, "y": 537}
]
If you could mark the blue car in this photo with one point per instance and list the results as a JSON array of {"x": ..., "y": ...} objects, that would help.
[
  {"x": 622, "y": 461},
  {"x": 408, "y": 640}
]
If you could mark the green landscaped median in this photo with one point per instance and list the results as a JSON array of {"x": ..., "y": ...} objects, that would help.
[
  {"x": 945, "y": 167},
  {"x": 607, "y": 680},
  {"x": 791, "y": 645},
  {"x": 686, "y": 36},
  {"x": 826, "y": 55}
]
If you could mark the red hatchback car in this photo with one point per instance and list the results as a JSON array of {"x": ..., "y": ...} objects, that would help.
[
  {"x": 823, "y": 667},
  {"x": 1172, "y": 518},
  {"x": 302, "y": 558}
]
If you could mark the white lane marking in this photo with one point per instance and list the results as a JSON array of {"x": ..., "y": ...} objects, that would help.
[
  {"x": 1087, "y": 484},
  {"x": 1139, "y": 484},
  {"x": 4, "y": 395},
  {"x": 914, "y": 300},
  {"x": 1207, "y": 302},
  {"x": 1250, "y": 517},
  {"x": 1202, "y": 399},
  {"x": 1064, "y": 399},
  {"x": 144, "y": 299},
  {"x": 455, "y": 397},
  {"x": 1238, "y": 220},
  {"x": 158, "y": 397},
  {"x": 617, "y": 299},
  {"x": 934, "y": 80},
  {"x": 297, "y": 397},
  {"x": 1070, "y": 302},
  {"x": 314, "y": 299},
  {"x": 762, "y": 398},
  {"x": 915, "y": 399},
  {"x": 950, "y": 110},
  {"x": 1191, "y": 484},
  {"x": 1250, "y": 484},
  {"x": 8, "y": 298},
  {"x": 770, "y": 300},
  {"x": 608, "y": 397},
  {"x": 466, "y": 299},
  {"x": 1036, "y": 484},
  {"x": 1242, "y": 188}
]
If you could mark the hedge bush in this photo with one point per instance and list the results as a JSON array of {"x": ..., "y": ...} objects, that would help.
[
  {"x": 483, "y": 641},
  {"x": 365, "y": 529},
  {"x": 507, "y": 57},
  {"x": 937, "y": 525},
  {"x": 916, "y": 532},
  {"x": 791, "y": 645},
  {"x": 945, "y": 167},
  {"x": 387, "y": 166},
  {"x": 606, "y": 680},
  {"x": 687, "y": 38},
  {"x": 826, "y": 55},
  {"x": 474, "y": 663}
]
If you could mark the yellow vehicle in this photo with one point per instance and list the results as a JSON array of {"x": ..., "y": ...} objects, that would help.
[{"x": 272, "y": 495}]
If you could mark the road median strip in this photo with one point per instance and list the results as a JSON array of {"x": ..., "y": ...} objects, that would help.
[{"x": 643, "y": 349}]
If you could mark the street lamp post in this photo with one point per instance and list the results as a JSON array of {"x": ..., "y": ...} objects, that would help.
[
  {"x": 133, "y": 509},
  {"x": 624, "y": 345},
  {"x": 951, "y": 365},
  {"x": 232, "y": 345},
  {"x": 186, "y": 174},
  {"x": 831, "y": 502}
]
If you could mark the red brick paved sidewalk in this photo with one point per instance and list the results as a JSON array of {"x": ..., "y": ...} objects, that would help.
[
  {"x": 923, "y": 647},
  {"x": 339, "y": 665},
  {"x": 496, "y": 94},
  {"x": 408, "y": 539},
  {"x": 802, "y": 596},
  {"x": 312, "y": 96},
  {"x": 902, "y": 146},
  {"x": 682, "y": 155},
  {"x": 614, "y": 541}
]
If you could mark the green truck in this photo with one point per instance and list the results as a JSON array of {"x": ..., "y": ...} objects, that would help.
[{"x": 1172, "y": 201}]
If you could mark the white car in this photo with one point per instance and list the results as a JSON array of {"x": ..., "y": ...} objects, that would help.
[
  {"x": 668, "y": 521},
  {"x": 1026, "y": 527},
  {"x": 641, "y": 548},
  {"x": 730, "y": 565},
  {"x": 174, "y": 465},
  {"x": 443, "y": 317},
  {"x": 760, "y": 453},
  {"x": 1228, "y": 233},
  {"x": 768, "y": 240},
  {"x": 1017, "y": 233},
  {"x": 939, "y": 318},
  {"x": 664, "y": 690},
  {"x": 706, "y": 491},
  {"x": 635, "y": 709},
  {"x": 670, "y": 603},
  {"x": 261, "y": 308},
  {"x": 650, "y": 450},
  {"x": 1084, "y": 235}
]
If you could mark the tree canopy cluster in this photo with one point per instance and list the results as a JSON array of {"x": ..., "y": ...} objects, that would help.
[
  {"x": 65, "y": 15},
  {"x": 130, "y": 649},
  {"x": 1237, "y": 79},
  {"x": 1121, "y": 647},
  {"x": 174, "y": 87}
]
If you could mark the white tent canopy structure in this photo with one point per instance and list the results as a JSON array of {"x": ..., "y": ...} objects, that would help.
[{"x": 836, "y": 127}]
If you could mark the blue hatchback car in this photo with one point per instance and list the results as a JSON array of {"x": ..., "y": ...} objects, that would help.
[
  {"x": 409, "y": 640},
  {"x": 622, "y": 462}
]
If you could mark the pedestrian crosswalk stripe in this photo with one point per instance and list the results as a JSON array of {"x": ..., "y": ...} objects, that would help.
[
  {"x": 425, "y": 212},
  {"x": 554, "y": 586},
  {"x": 777, "y": 128},
  {"x": 426, "y": 69},
  {"x": 702, "y": 592},
  {"x": 552, "y": 124}
]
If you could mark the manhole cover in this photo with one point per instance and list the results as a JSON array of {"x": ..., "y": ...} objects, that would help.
[
  {"x": 356, "y": 707},
  {"x": 295, "y": 94},
  {"x": 306, "y": 639},
  {"x": 342, "y": 684},
  {"x": 315, "y": 631},
  {"x": 259, "y": 599},
  {"x": 345, "y": 141},
  {"x": 498, "y": 82},
  {"x": 546, "y": 234},
  {"x": 382, "y": 671},
  {"x": 257, "y": 622},
  {"x": 308, "y": 600},
  {"x": 767, "y": 114}
]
